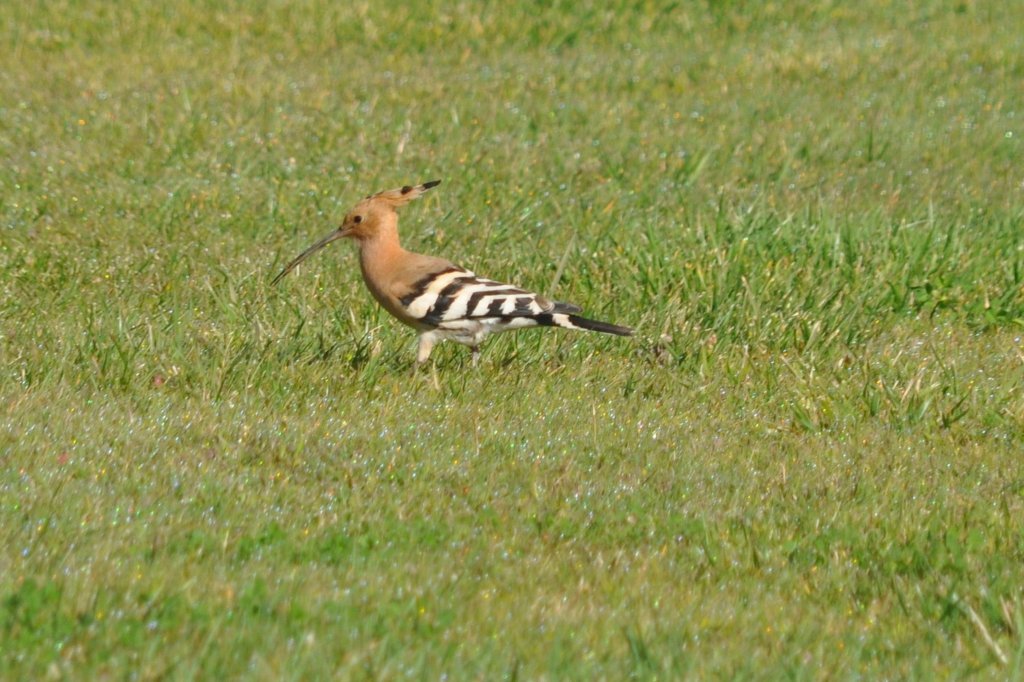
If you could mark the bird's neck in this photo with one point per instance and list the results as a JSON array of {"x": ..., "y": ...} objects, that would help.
[{"x": 379, "y": 253}]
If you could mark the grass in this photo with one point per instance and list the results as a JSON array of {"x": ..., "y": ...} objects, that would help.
[{"x": 806, "y": 465}]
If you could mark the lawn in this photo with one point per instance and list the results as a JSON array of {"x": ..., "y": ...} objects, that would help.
[{"x": 807, "y": 464}]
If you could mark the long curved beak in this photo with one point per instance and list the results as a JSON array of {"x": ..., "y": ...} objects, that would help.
[{"x": 337, "y": 234}]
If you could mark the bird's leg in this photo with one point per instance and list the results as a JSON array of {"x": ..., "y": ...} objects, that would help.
[
  {"x": 427, "y": 341},
  {"x": 475, "y": 355}
]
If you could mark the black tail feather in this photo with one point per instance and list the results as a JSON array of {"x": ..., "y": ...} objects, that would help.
[{"x": 598, "y": 326}]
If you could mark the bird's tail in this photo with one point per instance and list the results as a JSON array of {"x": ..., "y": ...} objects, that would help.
[{"x": 577, "y": 322}]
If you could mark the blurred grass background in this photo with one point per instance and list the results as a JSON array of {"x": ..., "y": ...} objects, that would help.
[{"x": 807, "y": 464}]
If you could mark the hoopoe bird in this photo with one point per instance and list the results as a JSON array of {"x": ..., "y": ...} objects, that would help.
[{"x": 437, "y": 298}]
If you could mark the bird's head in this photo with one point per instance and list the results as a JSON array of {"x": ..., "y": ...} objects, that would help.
[{"x": 366, "y": 220}]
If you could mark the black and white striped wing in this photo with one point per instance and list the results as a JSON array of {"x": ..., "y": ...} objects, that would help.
[{"x": 454, "y": 297}]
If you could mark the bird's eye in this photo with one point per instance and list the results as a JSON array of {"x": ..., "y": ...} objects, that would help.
[{"x": 358, "y": 219}]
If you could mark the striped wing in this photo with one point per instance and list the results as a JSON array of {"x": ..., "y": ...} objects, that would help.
[{"x": 454, "y": 296}]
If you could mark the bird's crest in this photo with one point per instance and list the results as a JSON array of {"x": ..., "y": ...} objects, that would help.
[{"x": 403, "y": 195}]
